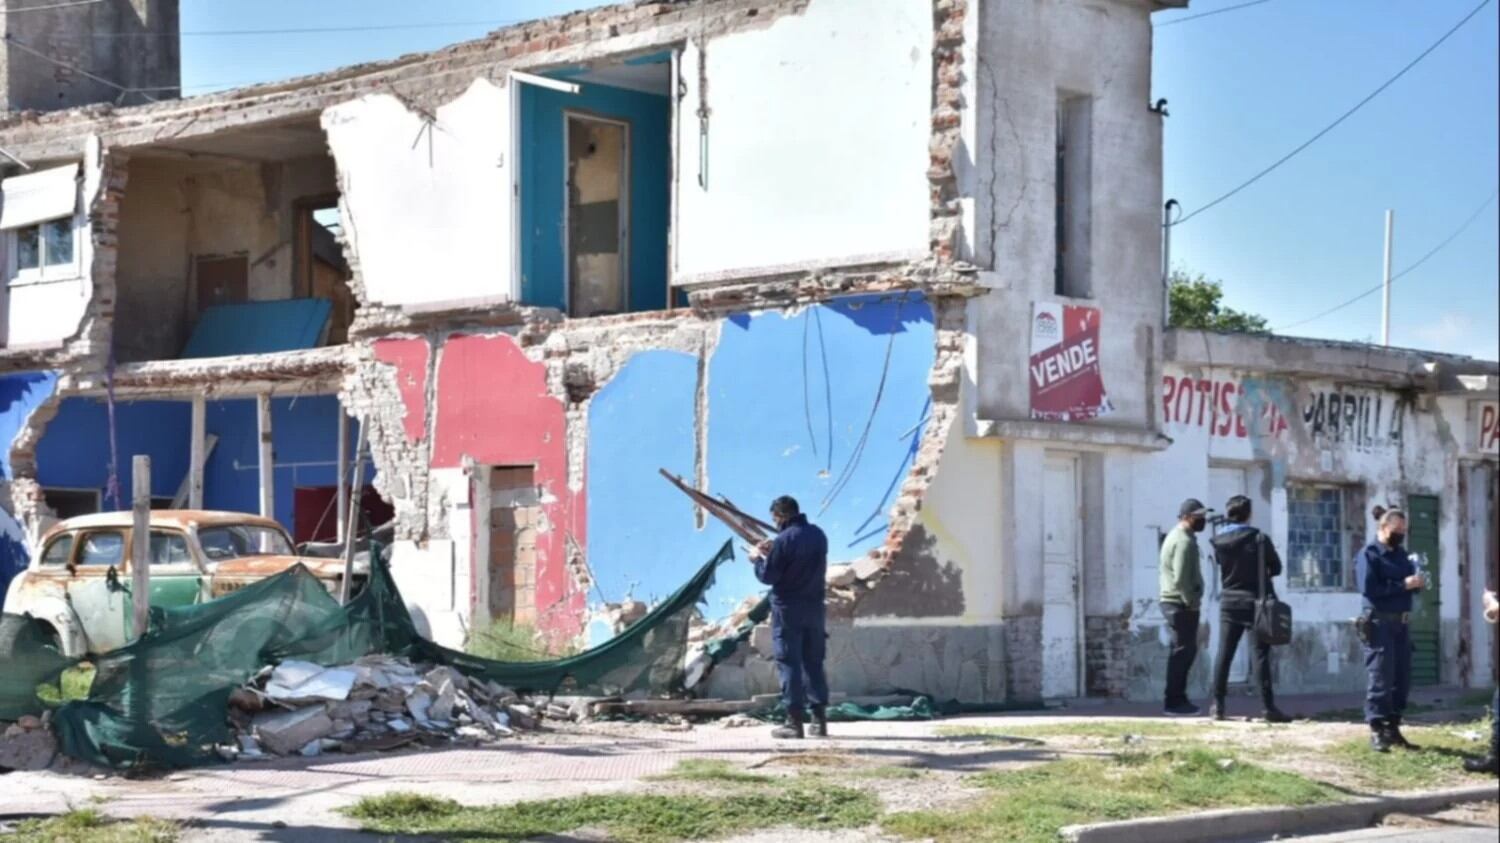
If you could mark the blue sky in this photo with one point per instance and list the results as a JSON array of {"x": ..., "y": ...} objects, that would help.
[{"x": 1244, "y": 88}]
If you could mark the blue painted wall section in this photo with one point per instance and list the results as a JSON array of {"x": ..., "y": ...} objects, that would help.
[
  {"x": 544, "y": 170},
  {"x": 826, "y": 405},
  {"x": 20, "y": 395},
  {"x": 74, "y": 452}
]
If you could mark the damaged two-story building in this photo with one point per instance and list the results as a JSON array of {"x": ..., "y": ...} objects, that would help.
[{"x": 900, "y": 259}]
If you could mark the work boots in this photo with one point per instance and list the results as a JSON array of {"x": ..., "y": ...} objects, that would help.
[
  {"x": 1393, "y": 731},
  {"x": 819, "y": 727},
  {"x": 1488, "y": 764},
  {"x": 1380, "y": 738},
  {"x": 1218, "y": 711},
  {"x": 793, "y": 728},
  {"x": 1272, "y": 714}
]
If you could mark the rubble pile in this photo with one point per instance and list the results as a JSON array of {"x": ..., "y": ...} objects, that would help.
[
  {"x": 375, "y": 703},
  {"x": 27, "y": 744}
]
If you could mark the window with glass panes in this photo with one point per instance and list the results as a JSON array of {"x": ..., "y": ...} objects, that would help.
[
  {"x": 45, "y": 250},
  {"x": 1317, "y": 542}
]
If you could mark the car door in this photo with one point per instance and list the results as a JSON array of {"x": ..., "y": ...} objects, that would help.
[
  {"x": 176, "y": 579},
  {"x": 97, "y": 588}
]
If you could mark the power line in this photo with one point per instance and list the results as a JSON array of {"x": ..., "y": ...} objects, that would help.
[
  {"x": 1342, "y": 117},
  {"x": 307, "y": 30},
  {"x": 1212, "y": 13},
  {"x": 53, "y": 6},
  {"x": 26, "y": 48},
  {"x": 1377, "y": 288}
]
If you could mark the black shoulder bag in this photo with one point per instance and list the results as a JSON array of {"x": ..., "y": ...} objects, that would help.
[{"x": 1273, "y": 618}]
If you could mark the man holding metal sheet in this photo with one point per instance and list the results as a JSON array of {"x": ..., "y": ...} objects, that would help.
[{"x": 794, "y": 565}]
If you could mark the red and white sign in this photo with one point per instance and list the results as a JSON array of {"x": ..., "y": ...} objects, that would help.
[
  {"x": 1065, "y": 380},
  {"x": 1487, "y": 428}
]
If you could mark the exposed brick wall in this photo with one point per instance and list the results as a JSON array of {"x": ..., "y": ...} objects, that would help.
[{"x": 1106, "y": 655}]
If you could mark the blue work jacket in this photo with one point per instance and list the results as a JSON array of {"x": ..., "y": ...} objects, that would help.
[
  {"x": 796, "y": 565},
  {"x": 1382, "y": 575}
]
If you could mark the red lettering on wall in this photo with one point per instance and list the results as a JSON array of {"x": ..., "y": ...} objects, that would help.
[
  {"x": 1489, "y": 427},
  {"x": 1212, "y": 404}
]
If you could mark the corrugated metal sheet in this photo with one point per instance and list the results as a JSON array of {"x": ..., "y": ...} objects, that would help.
[{"x": 259, "y": 327}]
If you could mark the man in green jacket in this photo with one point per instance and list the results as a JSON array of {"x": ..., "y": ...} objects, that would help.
[{"x": 1181, "y": 597}]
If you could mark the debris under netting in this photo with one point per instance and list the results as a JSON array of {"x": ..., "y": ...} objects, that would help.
[
  {"x": 374, "y": 703},
  {"x": 281, "y": 663}
]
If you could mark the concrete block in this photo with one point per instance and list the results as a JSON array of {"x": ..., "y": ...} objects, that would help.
[{"x": 286, "y": 732}]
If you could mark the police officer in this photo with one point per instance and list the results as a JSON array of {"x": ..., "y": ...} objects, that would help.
[
  {"x": 1388, "y": 580},
  {"x": 794, "y": 565}
]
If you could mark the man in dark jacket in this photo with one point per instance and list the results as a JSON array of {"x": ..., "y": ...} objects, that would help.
[
  {"x": 794, "y": 565},
  {"x": 1240, "y": 550},
  {"x": 1388, "y": 579}
]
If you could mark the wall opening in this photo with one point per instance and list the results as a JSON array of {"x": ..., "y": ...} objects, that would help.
[
  {"x": 515, "y": 514},
  {"x": 595, "y": 186},
  {"x": 228, "y": 244},
  {"x": 1074, "y": 195}
]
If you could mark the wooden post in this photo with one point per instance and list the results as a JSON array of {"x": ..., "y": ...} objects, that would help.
[
  {"x": 140, "y": 563},
  {"x": 196, "y": 455},
  {"x": 353, "y": 523},
  {"x": 267, "y": 457},
  {"x": 341, "y": 509}
]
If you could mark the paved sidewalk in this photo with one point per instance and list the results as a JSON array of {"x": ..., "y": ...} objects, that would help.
[{"x": 298, "y": 799}]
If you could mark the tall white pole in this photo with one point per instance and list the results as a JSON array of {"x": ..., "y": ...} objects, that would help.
[
  {"x": 1385, "y": 307},
  {"x": 140, "y": 547},
  {"x": 267, "y": 456}
]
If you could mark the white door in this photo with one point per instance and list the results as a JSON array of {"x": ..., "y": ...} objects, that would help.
[
  {"x": 1060, "y": 578},
  {"x": 1223, "y": 484}
]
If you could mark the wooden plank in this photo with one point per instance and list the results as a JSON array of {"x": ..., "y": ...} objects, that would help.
[
  {"x": 140, "y": 563},
  {"x": 196, "y": 454},
  {"x": 267, "y": 456}
]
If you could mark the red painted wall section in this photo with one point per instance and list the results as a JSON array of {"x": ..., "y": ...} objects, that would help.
[
  {"x": 493, "y": 407},
  {"x": 409, "y": 356}
]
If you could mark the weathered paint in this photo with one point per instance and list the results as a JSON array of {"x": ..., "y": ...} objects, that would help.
[
  {"x": 543, "y": 188},
  {"x": 789, "y": 397},
  {"x": 20, "y": 395},
  {"x": 493, "y": 407},
  {"x": 410, "y": 359}
]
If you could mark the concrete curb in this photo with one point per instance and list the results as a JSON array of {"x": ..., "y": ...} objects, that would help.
[{"x": 1255, "y": 822}]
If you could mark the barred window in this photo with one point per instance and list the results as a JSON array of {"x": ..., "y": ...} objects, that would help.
[{"x": 1319, "y": 539}]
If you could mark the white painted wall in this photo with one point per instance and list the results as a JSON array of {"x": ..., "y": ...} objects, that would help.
[
  {"x": 51, "y": 313},
  {"x": 1424, "y": 461},
  {"x": 1032, "y": 53},
  {"x": 429, "y": 211},
  {"x": 817, "y": 140}
]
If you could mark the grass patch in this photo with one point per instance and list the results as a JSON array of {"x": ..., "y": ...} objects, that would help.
[
  {"x": 1437, "y": 762},
  {"x": 74, "y": 684},
  {"x": 884, "y": 772},
  {"x": 510, "y": 642},
  {"x": 1033, "y": 803},
  {"x": 90, "y": 825},
  {"x": 711, "y": 770},
  {"x": 630, "y": 818},
  {"x": 1105, "y": 729}
]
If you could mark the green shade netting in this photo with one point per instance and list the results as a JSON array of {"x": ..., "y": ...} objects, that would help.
[{"x": 161, "y": 701}]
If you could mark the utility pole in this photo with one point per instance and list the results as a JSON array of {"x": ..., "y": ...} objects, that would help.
[
  {"x": 1385, "y": 307},
  {"x": 140, "y": 551}
]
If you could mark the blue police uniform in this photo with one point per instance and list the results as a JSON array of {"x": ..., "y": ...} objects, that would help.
[
  {"x": 1382, "y": 571},
  {"x": 795, "y": 569}
]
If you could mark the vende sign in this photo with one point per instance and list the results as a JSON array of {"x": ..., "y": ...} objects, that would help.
[
  {"x": 1065, "y": 380},
  {"x": 1487, "y": 428}
]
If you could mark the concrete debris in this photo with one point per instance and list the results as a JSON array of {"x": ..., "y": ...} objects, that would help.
[
  {"x": 841, "y": 576},
  {"x": 375, "y": 703},
  {"x": 28, "y": 745}
]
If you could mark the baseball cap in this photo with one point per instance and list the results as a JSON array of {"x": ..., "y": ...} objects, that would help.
[{"x": 1191, "y": 506}]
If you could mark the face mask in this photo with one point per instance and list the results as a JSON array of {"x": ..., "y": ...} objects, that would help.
[
  {"x": 1199, "y": 524},
  {"x": 1395, "y": 539}
]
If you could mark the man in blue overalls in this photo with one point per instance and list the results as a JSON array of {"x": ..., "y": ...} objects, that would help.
[
  {"x": 794, "y": 565},
  {"x": 1388, "y": 580}
]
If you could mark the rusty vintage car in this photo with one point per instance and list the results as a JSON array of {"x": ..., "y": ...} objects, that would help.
[{"x": 79, "y": 584}]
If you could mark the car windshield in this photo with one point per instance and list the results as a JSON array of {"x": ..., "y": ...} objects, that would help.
[{"x": 231, "y": 541}]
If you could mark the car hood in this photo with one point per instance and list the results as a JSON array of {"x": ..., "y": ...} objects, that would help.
[{"x": 260, "y": 567}]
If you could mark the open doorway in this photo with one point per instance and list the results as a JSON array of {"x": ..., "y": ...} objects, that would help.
[{"x": 598, "y": 274}]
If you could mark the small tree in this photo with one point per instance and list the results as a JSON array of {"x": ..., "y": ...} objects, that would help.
[{"x": 1196, "y": 303}]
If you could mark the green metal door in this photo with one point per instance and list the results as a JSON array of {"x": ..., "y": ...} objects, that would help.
[{"x": 1422, "y": 540}]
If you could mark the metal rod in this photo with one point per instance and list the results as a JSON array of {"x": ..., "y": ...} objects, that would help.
[
  {"x": 352, "y": 524},
  {"x": 140, "y": 546},
  {"x": 1385, "y": 304},
  {"x": 341, "y": 512}
]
